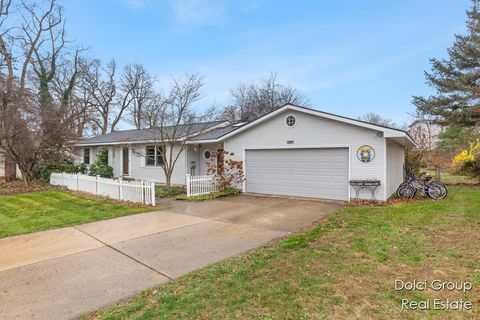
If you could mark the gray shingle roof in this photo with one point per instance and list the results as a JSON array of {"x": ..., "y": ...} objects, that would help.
[
  {"x": 137, "y": 135},
  {"x": 216, "y": 133}
]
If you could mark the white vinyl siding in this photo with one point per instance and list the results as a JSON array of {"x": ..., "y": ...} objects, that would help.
[
  {"x": 203, "y": 163},
  {"x": 315, "y": 132},
  {"x": 140, "y": 171},
  {"x": 395, "y": 163},
  {"x": 137, "y": 168},
  {"x": 193, "y": 159}
]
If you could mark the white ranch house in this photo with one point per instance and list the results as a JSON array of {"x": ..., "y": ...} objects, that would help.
[{"x": 292, "y": 151}]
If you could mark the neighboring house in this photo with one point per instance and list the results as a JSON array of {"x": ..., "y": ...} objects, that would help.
[
  {"x": 425, "y": 133},
  {"x": 292, "y": 151}
]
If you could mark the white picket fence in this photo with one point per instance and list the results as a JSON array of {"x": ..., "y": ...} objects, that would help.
[
  {"x": 198, "y": 185},
  {"x": 134, "y": 191}
]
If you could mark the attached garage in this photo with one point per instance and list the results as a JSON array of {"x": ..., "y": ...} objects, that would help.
[
  {"x": 310, "y": 172},
  {"x": 296, "y": 151}
]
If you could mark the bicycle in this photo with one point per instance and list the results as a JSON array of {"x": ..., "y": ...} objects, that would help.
[
  {"x": 435, "y": 190},
  {"x": 425, "y": 180}
]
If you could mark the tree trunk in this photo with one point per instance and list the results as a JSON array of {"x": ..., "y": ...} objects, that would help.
[
  {"x": 28, "y": 176},
  {"x": 10, "y": 167},
  {"x": 168, "y": 179}
]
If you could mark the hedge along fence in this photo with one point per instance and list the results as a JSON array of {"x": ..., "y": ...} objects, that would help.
[{"x": 134, "y": 191}]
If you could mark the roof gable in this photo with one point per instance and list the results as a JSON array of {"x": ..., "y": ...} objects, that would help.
[{"x": 388, "y": 132}]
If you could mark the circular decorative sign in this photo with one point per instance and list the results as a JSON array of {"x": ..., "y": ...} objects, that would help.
[{"x": 365, "y": 153}]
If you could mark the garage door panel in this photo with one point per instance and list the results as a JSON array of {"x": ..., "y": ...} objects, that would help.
[{"x": 319, "y": 173}]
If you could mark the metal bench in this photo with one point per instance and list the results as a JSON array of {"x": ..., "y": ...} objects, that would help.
[{"x": 370, "y": 184}]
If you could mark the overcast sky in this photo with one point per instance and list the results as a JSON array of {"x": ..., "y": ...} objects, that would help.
[{"x": 349, "y": 57}]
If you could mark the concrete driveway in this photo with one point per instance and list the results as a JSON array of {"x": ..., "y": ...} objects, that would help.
[
  {"x": 61, "y": 273},
  {"x": 269, "y": 212}
]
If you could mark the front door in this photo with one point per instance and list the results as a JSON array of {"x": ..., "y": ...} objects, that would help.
[{"x": 125, "y": 161}]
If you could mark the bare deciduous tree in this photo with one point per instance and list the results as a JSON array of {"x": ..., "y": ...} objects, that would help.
[
  {"x": 72, "y": 90},
  {"x": 31, "y": 119},
  {"x": 176, "y": 121},
  {"x": 152, "y": 109},
  {"x": 102, "y": 89},
  {"x": 46, "y": 50},
  {"x": 139, "y": 83},
  {"x": 111, "y": 96},
  {"x": 128, "y": 94},
  {"x": 375, "y": 118},
  {"x": 250, "y": 102}
]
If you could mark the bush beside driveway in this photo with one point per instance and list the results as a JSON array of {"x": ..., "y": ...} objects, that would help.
[{"x": 342, "y": 268}]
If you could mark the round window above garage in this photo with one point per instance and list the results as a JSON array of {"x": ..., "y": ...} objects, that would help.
[
  {"x": 207, "y": 154},
  {"x": 290, "y": 121}
]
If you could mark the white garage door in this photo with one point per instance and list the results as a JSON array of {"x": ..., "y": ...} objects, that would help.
[{"x": 317, "y": 173}]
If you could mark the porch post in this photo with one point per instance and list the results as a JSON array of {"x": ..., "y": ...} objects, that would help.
[{"x": 188, "y": 185}]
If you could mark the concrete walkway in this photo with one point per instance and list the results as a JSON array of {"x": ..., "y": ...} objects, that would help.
[{"x": 62, "y": 273}]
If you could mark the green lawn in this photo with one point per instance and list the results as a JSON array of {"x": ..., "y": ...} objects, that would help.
[
  {"x": 342, "y": 268},
  {"x": 29, "y": 212},
  {"x": 452, "y": 179}
]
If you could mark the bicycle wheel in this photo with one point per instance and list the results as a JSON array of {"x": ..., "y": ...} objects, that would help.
[
  {"x": 441, "y": 186},
  {"x": 435, "y": 192},
  {"x": 403, "y": 184},
  {"x": 406, "y": 192}
]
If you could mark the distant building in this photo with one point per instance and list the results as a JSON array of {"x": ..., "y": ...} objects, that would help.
[{"x": 425, "y": 133}]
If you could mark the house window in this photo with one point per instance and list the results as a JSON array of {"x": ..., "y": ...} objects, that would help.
[
  {"x": 290, "y": 121},
  {"x": 207, "y": 154},
  {"x": 86, "y": 155},
  {"x": 159, "y": 156},
  {"x": 154, "y": 156},
  {"x": 150, "y": 156}
]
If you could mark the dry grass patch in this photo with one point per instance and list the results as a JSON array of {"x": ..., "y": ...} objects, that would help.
[{"x": 17, "y": 186}]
